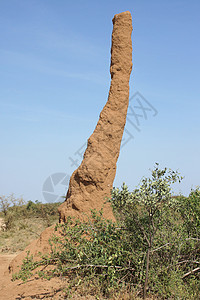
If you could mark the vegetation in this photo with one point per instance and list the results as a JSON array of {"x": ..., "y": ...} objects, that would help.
[
  {"x": 152, "y": 250},
  {"x": 23, "y": 222}
]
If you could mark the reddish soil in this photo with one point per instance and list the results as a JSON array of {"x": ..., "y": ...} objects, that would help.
[{"x": 34, "y": 288}]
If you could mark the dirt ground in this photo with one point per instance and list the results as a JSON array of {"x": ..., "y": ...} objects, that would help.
[{"x": 34, "y": 288}]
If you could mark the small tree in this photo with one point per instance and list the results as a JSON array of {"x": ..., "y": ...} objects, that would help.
[
  {"x": 8, "y": 201},
  {"x": 4, "y": 204},
  {"x": 143, "y": 210}
]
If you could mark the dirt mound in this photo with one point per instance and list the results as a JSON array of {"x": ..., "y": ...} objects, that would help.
[
  {"x": 93, "y": 180},
  {"x": 37, "y": 246}
]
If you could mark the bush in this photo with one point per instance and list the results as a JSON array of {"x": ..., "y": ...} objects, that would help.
[
  {"x": 92, "y": 249},
  {"x": 14, "y": 209},
  {"x": 152, "y": 248},
  {"x": 8, "y": 203}
]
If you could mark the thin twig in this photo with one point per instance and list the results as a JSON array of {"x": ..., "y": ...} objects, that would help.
[
  {"x": 100, "y": 266},
  {"x": 159, "y": 247},
  {"x": 187, "y": 261},
  {"x": 193, "y": 239},
  {"x": 191, "y": 272}
]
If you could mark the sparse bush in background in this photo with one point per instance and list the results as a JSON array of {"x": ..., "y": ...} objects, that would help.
[
  {"x": 48, "y": 211},
  {"x": 10, "y": 201},
  {"x": 152, "y": 249},
  {"x": 18, "y": 208},
  {"x": 9, "y": 221},
  {"x": 14, "y": 209},
  {"x": 11, "y": 207},
  {"x": 4, "y": 205},
  {"x": 23, "y": 222}
]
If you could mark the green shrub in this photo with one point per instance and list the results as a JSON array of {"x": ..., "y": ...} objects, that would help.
[
  {"x": 14, "y": 209},
  {"x": 153, "y": 248},
  {"x": 94, "y": 249}
]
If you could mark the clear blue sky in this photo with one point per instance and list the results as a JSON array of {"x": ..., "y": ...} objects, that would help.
[{"x": 54, "y": 81}]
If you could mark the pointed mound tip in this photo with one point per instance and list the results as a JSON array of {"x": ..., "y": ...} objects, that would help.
[{"x": 125, "y": 14}]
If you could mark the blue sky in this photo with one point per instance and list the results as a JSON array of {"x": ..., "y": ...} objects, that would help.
[{"x": 54, "y": 81}]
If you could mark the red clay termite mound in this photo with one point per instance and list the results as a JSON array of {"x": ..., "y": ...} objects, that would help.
[{"x": 93, "y": 180}]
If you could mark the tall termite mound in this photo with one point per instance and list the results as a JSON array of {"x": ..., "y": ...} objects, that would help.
[{"x": 93, "y": 180}]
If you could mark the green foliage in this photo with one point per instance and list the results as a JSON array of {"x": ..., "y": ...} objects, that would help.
[
  {"x": 14, "y": 209},
  {"x": 23, "y": 222},
  {"x": 47, "y": 211},
  {"x": 146, "y": 211},
  {"x": 10, "y": 207},
  {"x": 190, "y": 212},
  {"x": 167, "y": 230},
  {"x": 92, "y": 249},
  {"x": 6, "y": 202},
  {"x": 26, "y": 269},
  {"x": 154, "y": 246}
]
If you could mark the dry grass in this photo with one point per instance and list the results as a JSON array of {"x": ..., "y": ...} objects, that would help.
[{"x": 22, "y": 233}]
